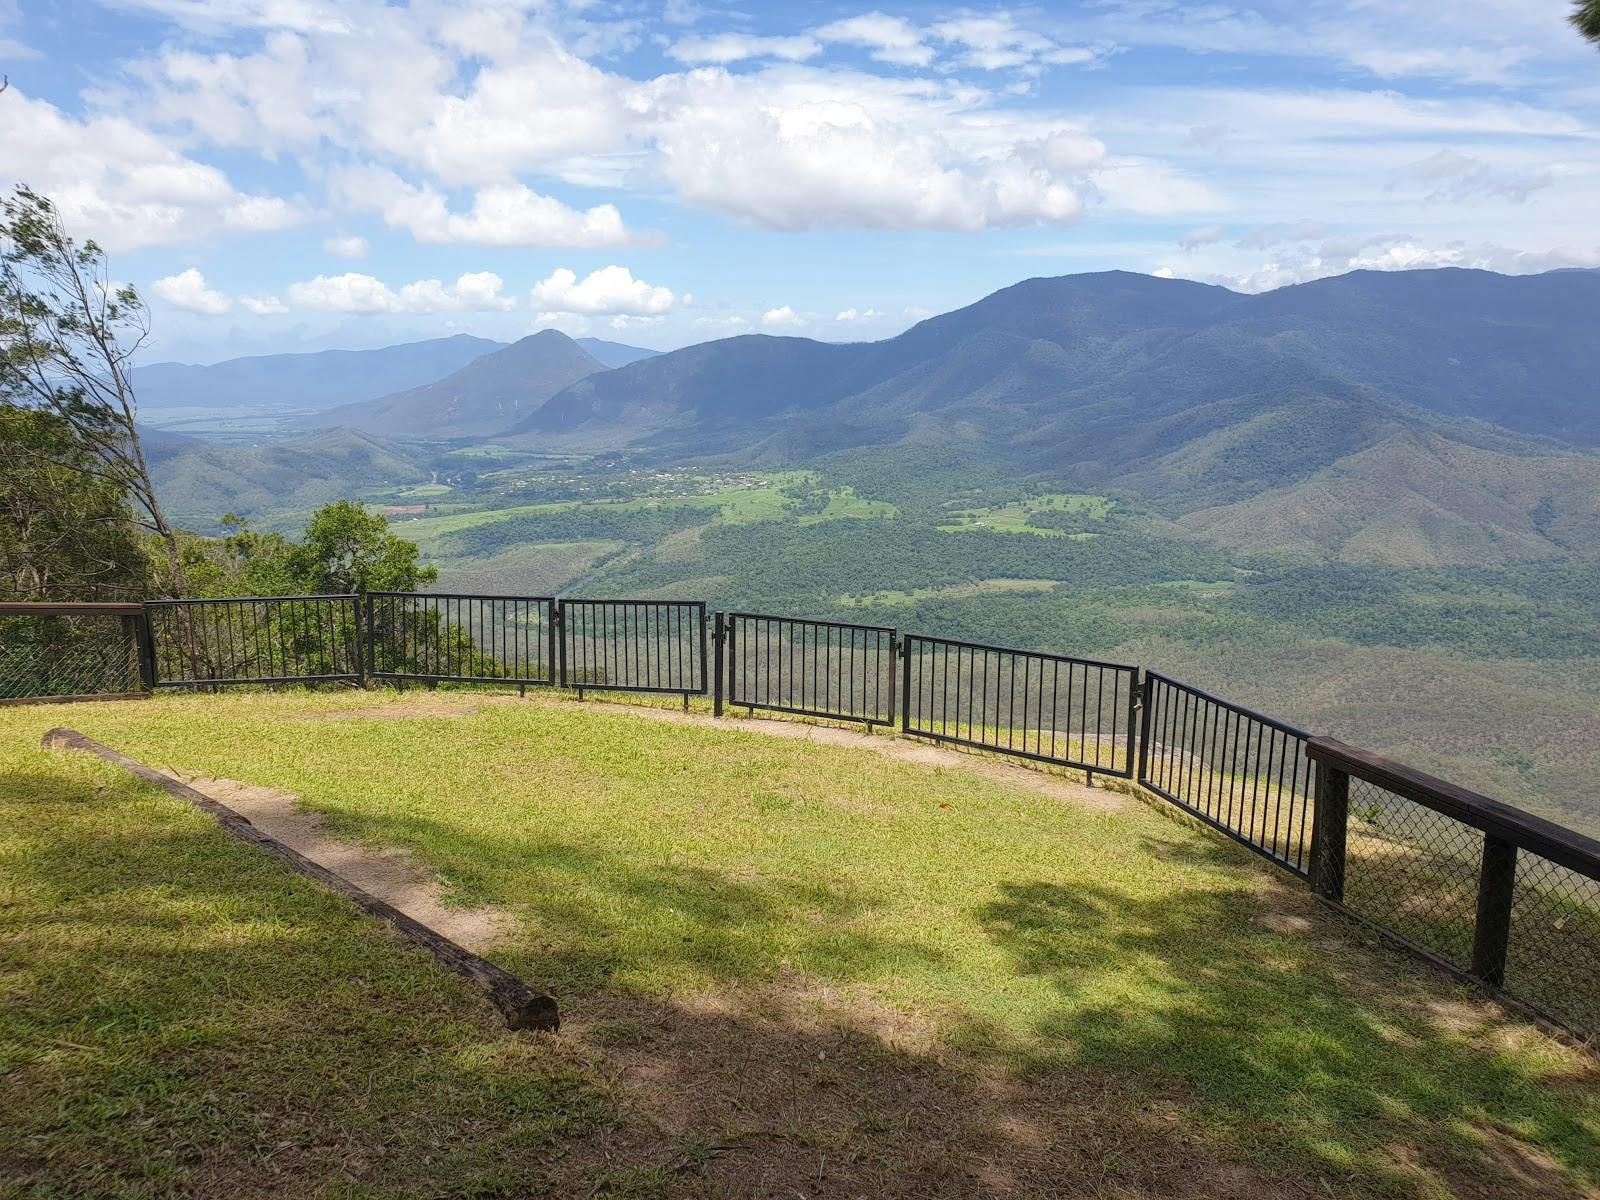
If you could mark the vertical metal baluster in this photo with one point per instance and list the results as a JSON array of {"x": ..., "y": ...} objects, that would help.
[{"x": 1280, "y": 747}]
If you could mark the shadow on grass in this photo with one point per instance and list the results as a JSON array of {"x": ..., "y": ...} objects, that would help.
[
  {"x": 181, "y": 1015},
  {"x": 1289, "y": 1046},
  {"x": 1309, "y": 1049},
  {"x": 232, "y": 1022}
]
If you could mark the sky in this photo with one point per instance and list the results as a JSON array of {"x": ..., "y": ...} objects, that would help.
[{"x": 281, "y": 175}]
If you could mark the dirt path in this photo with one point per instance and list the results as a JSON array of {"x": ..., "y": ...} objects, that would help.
[{"x": 388, "y": 873}]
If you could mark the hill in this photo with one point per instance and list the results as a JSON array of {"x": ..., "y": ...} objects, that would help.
[
  {"x": 482, "y": 398},
  {"x": 301, "y": 381},
  {"x": 1185, "y": 395},
  {"x": 198, "y": 481}
]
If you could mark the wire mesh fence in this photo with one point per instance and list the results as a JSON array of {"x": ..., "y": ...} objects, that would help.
[
  {"x": 48, "y": 654},
  {"x": 1492, "y": 893},
  {"x": 1553, "y": 947},
  {"x": 1413, "y": 871}
]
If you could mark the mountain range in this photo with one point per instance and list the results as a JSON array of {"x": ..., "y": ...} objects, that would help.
[
  {"x": 1434, "y": 416},
  {"x": 328, "y": 378}
]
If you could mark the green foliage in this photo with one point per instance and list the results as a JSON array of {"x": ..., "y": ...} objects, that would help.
[
  {"x": 348, "y": 549},
  {"x": 345, "y": 549},
  {"x": 66, "y": 529},
  {"x": 1586, "y": 18}
]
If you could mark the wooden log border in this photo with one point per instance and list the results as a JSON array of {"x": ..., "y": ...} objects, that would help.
[
  {"x": 522, "y": 1006},
  {"x": 20, "y": 701}
]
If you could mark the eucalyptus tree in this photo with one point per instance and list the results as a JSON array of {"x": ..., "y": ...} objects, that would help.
[{"x": 68, "y": 336}]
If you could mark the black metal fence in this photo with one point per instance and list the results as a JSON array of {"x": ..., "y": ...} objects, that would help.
[
  {"x": 276, "y": 639},
  {"x": 452, "y": 638},
  {"x": 634, "y": 646},
  {"x": 811, "y": 668},
  {"x": 1074, "y": 712},
  {"x": 1239, "y": 771},
  {"x": 1485, "y": 890}
]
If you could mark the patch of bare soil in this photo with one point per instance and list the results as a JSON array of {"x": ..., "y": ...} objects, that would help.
[
  {"x": 387, "y": 873},
  {"x": 923, "y": 754},
  {"x": 793, "y": 1089}
]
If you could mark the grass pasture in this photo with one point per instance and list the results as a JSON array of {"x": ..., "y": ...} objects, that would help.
[
  {"x": 785, "y": 967},
  {"x": 1018, "y": 517}
]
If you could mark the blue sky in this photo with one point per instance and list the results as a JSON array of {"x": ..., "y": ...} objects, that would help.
[{"x": 298, "y": 174}]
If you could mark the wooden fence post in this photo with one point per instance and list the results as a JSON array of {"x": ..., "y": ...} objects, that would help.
[
  {"x": 1497, "y": 879},
  {"x": 1332, "y": 822}
]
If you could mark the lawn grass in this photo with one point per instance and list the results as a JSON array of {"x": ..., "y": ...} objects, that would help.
[
  {"x": 1136, "y": 992},
  {"x": 183, "y": 1016}
]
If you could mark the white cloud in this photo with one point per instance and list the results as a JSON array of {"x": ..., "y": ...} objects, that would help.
[
  {"x": 724, "y": 48},
  {"x": 720, "y": 325},
  {"x": 263, "y": 305},
  {"x": 501, "y": 214},
  {"x": 187, "y": 290},
  {"x": 349, "y": 246},
  {"x": 1453, "y": 176},
  {"x": 468, "y": 102},
  {"x": 993, "y": 43},
  {"x": 794, "y": 148},
  {"x": 1299, "y": 262},
  {"x": 611, "y": 291},
  {"x": 116, "y": 182},
  {"x": 782, "y": 317},
  {"x": 852, "y": 314},
  {"x": 891, "y": 40},
  {"x": 477, "y": 291}
]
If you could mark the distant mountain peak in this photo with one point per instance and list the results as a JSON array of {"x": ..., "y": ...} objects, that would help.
[{"x": 487, "y": 395}]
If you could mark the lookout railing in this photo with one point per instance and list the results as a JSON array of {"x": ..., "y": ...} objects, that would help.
[{"x": 1488, "y": 892}]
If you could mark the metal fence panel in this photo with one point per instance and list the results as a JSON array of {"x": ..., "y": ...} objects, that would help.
[
  {"x": 274, "y": 639},
  {"x": 450, "y": 637},
  {"x": 812, "y": 668},
  {"x": 69, "y": 650},
  {"x": 1239, "y": 771},
  {"x": 1074, "y": 712},
  {"x": 634, "y": 645}
]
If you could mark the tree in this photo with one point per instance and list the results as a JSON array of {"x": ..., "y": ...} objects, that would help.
[
  {"x": 348, "y": 549},
  {"x": 1586, "y": 16},
  {"x": 65, "y": 532},
  {"x": 68, "y": 335}
]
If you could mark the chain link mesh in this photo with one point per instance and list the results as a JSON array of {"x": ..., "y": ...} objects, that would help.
[
  {"x": 1553, "y": 955},
  {"x": 1413, "y": 870},
  {"x": 66, "y": 656}
]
